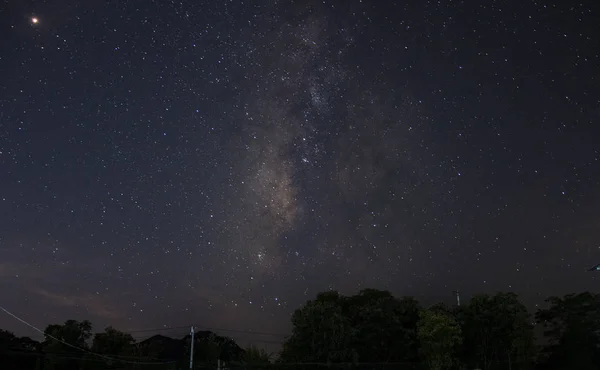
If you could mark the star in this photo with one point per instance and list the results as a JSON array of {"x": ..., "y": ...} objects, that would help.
[{"x": 289, "y": 150}]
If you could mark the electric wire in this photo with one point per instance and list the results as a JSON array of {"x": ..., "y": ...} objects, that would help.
[
  {"x": 65, "y": 353},
  {"x": 79, "y": 348},
  {"x": 241, "y": 331},
  {"x": 203, "y": 327}
]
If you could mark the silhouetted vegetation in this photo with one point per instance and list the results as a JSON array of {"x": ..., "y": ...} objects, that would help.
[{"x": 369, "y": 330}]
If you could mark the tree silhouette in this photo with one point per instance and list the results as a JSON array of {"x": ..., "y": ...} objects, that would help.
[
  {"x": 439, "y": 339},
  {"x": 572, "y": 326},
  {"x": 489, "y": 332},
  {"x": 371, "y": 326},
  {"x": 61, "y": 343},
  {"x": 15, "y": 352}
]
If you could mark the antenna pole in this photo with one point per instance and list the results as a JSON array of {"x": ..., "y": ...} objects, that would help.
[
  {"x": 192, "y": 348},
  {"x": 457, "y": 294}
]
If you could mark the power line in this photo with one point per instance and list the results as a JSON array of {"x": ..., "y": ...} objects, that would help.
[
  {"x": 242, "y": 331},
  {"x": 62, "y": 355},
  {"x": 202, "y": 327},
  {"x": 158, "y": 329},
  {"x": 239, "y": 339},
  {"x": 79, "y": 348},
  {"x": 66, "y": 353},
  {"x": 142, "y": 338},
  {"x": 47, "y": 355}
]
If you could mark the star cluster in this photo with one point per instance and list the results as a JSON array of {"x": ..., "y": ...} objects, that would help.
[{"x": 221, "y": 162}]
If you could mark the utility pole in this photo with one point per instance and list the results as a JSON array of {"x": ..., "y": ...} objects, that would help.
[
  {"x": 192, "y": 348},
  {"x": 457, "y": 294}
]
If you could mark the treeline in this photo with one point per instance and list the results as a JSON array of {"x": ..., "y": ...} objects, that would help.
[
  {"x": 71, "y": 346},
  {"x": 490, "y": 332}
]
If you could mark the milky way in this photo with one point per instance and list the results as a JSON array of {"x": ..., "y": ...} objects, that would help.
[{"x": 221, "y": 163}]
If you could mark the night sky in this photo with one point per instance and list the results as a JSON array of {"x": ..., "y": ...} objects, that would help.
[{"x": 218, "y": 163}]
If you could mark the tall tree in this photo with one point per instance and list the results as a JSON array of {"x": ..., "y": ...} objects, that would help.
[
  {"x": 72, "y": 332},
  {"x": 255, "y": 356},
  {"x": 439, "y": 338},
  {"x": 385, "y": 327},
  {"x": 113, "y": 342},
  {"x": 371, "y": 326},
  {"x": 7, "y": 340},
  {"x": 498, "y": 332},
  {"x": 572, "y": 327},
  {"x": 17, "y": 353},
  {"x": 321, "y": 332},
  {"x": 61, "y": 356}
]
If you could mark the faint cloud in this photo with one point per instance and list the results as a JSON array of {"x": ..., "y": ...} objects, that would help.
[
  {"x": 19, "y": 270},
  {"x": 94, "y": 304},
  {"x": 8, "y": 270}
]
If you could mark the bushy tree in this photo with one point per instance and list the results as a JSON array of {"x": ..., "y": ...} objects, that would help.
[
  {"x": 572, "y": 327},
  {"x": 61, "y": 356},
  {"x": 439, "y": 339},
  {"x": 255, "y": 356},
  {"x": 372, "y": 326},
  {"x": 498, "y": 332},
  {"x": 321, "y": 332},
  {"x": 17, "y": 353},
  {"x": 385, "y": 327},
  {"x": 113, "y": 342}
]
